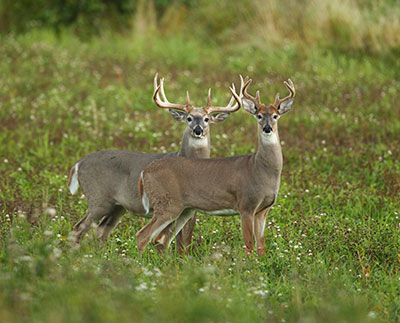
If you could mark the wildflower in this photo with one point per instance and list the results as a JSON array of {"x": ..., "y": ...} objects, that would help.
[
  {"x": 142, "y": 286},
  {"x": 56, "y": 253},
  {"x": 261, "y": 292}
]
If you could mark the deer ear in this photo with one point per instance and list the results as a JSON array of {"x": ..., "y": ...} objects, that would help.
[
  {"x": 285, "y": 106},
  {"x": 178, "y": 115},
  {"x": 249, "y": 106},
  {"x": 218, "y": 117}
]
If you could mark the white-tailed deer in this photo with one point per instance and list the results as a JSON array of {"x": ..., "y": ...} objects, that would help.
[
  {"x": 247, "y": 185},
  {"x": 109, "y": 178}
]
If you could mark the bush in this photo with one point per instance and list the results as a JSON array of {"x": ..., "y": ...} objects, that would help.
[{"x": 86, "y": 17}]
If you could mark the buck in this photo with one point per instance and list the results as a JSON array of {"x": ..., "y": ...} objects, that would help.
[
  {"x": 247, "y": 185},
  {"x": 109, "y": 178}
]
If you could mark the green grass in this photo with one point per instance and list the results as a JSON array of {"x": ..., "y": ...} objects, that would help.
[{"x": 332, "y": 238}]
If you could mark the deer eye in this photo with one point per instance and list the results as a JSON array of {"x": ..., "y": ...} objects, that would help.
[
  {"x": 189, "y": 119},
  {"x": 259, "y": 117},
  {"x": 206, "y": 119},
  {"x": 275, "y": 116}
]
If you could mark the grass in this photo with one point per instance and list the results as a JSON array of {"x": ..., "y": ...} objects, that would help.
[{"x": 332, "y": 238}]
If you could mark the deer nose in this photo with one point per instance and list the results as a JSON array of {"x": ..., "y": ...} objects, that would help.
[
  {"x": 267, "y": 128},
  {"x": 198, "y": 130}
]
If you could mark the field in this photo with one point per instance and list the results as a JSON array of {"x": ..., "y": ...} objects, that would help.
[{"x": 333, "y": 237}]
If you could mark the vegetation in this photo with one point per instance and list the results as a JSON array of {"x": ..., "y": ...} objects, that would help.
[{"x": 333, "y": 236}]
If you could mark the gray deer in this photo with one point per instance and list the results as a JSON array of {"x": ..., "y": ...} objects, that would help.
[
  {"x": 109, "y": 178},
  {"x": 247, "y": 185}
]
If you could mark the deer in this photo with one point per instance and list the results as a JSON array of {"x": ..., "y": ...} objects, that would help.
[
  {"x": 109, "y": 178},
  {"x": 247, "y": 185}
]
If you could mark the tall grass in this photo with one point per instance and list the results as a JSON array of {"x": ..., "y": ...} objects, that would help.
[
  {"x": 343, "y": 24},
  {"x": 372, "y": 26}
]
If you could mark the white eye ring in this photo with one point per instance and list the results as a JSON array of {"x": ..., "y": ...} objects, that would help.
[{"x": 206, "y": 119}]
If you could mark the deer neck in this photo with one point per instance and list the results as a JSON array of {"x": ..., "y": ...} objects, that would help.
[
  {"x": 194, "y": 147},
  {"x": 269, "y": 153}
]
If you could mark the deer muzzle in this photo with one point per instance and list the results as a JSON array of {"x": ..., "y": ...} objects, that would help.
[{"x": 198, "y": 131}]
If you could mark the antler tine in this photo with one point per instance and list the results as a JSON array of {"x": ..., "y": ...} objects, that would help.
[
  {"x": 164, "y": 97},
  {"x": 209, "y": 98},
  {"x": 289, "y": 84},
  {"x": 232, "y": 98},
  {"x": 277, "y": 100},
  {"x": 256, "y": 99},
  {"x": 164, "y": 103},
  {"x": 187, "y": 99},
  {"x": 155, "y": 83},
  {"x": 235, "y": 97},
  {"x": 242, "y": 82}
]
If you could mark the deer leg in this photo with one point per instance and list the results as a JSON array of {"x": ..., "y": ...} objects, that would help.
[
  {"x": 110, "y": 221},
  {"x": 184, "y": 237},
  {"x": 159, "y": 221},
  {"x": 248, "y": 231},
  {"x": 259, "y": 230},
  {"x": 93, "y": 215},
  {"x": 174, "y": 230}
]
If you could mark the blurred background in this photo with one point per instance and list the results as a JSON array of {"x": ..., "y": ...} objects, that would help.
[{"x": 364, "y": 25}]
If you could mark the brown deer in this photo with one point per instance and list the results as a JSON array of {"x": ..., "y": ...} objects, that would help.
[
  {"x": 109, "y": 178},
  {"x": 247, "y": 185}
]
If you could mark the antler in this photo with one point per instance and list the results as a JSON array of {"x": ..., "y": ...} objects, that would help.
[
  {"x": 235, "y": 97},
  {"x": 256, "y": 100},
  {"x": 289, "y": 84},
  {"x": 164, "y": 103}
]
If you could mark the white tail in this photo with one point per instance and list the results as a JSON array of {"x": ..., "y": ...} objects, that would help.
[
  {"x": 73, "y": 183},
  {"x": 145, "y": 199}
]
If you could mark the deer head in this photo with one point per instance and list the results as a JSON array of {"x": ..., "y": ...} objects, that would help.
[
  {"x": 197, "y": 119},
  {"x": 268, "y": 115}
]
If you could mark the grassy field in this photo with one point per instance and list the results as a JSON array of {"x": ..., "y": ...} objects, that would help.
[{"x": 333, "y": 237}]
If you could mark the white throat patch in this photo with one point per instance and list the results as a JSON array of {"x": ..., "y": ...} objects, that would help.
[
  {"x": 269, "y": 139},
  {"x": 198, "y": 142}
]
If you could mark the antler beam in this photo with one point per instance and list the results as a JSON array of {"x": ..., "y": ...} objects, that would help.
[
  {"x": 164, "y": 103},
  {"x": 289, "y": 84},
  {"x": 235, "y": 97},
  {"x": 256, "y": 100}
]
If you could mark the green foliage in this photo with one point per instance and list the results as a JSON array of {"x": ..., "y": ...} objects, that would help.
[{"x": 86, "y": 17}]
